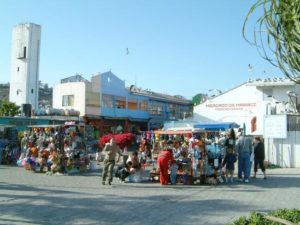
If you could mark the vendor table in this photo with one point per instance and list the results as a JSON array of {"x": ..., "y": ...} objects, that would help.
[{"x": 181, "y": 177}]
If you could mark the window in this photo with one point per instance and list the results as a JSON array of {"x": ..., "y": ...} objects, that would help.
[
  {"x": 172, "y": 110},
  {"x": 31, "y": 91},
  {"x": 120, "y": 102},
  {"x": 68, "y": 100},
  {"x": 92, "y": 99},
  {"x": 107, "y": 101},
  {"x": 18, "y": 69},
  {"x": 24, "y": 52},
  {"x": 185, "y": 112},
  {"x": 156, "y": 108},
  {"x": 143, "y": 105},
  {"x": 132, "y": 104},
  {"x": 268, "y": 93}
]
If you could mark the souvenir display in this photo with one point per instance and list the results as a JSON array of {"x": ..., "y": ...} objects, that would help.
[
  {"x": 9, "y": 145},
  {"x": 198, "y": 159},
  {"x": 56, "y": 149}
]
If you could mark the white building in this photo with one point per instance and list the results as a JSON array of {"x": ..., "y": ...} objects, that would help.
[
  {"x": 25, "y": 57},
  {"x": 266, "y": 107},
  {"x": 77, "y": 93}
]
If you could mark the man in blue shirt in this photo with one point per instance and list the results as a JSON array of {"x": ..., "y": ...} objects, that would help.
[{"x": 244, "y": 149}]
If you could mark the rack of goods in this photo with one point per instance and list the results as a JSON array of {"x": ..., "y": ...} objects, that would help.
[
  {"x": 63, "y": 149},
  {"x": 198, "y": 154},
  {"x": 9, "y": 144}
]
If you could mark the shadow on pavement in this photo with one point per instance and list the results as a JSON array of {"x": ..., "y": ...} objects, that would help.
[{"x": 51, "y": 207}]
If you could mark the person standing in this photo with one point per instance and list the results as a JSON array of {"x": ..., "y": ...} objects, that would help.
[
  {"x": 110, "y": 150},
  {"x": 244, "y": 148},
  {"x": 259, "y": 156},
  {"x": 165, "y": 157},
  {"x": 229, "y": 161},
  {"x": 230, "y": 141}
]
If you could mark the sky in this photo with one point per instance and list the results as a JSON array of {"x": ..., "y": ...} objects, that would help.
[{"x": 167, "y": 46}]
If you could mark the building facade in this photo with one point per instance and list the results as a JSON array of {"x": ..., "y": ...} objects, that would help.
[
  {"x": 264, "y": 107},
  {"x": 25, "y": 57},
  {"x": 106, "y": 103}
]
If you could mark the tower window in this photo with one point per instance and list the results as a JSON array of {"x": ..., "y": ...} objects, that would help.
[
  {"x": 31, "y": 91},
  {"x": 18, "y": 69},
  {"x": 24, "y": 52}
]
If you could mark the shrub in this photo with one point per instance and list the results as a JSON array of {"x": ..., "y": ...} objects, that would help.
[{"x": 291, "y": 215}]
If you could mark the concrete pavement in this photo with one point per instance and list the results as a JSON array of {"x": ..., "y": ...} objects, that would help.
[{"x": 29, "y": 198}]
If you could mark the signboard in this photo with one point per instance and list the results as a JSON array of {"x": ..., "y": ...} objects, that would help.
[{"x": 275, "y": 126}]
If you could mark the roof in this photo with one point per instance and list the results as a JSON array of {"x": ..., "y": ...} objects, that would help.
[
  {"x": 7, "y": 125},
  {"x": 75, "y": 78},
  {"x": 262, "y": 82},
  {"x": 154, "y": 95}
]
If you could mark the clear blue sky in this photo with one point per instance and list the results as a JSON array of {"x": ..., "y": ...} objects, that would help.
[{"x": 175, "y": 47}]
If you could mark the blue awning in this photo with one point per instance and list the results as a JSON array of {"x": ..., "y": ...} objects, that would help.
[{"x": 217, "y": 126}]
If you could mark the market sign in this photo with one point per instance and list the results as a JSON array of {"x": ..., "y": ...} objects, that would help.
[
  {"x": 230, "y": 106},
  {"x": 275, "y": 126}
]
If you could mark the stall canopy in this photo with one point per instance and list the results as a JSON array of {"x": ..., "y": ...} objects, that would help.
[
  {"x": 217, "y": 126},
  {"x": 175, "y": 131}
]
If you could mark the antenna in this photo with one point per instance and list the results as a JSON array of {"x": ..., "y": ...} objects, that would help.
[{"x": 135, "y": 80}]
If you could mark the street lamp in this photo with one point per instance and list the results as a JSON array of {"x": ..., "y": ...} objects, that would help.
[{"x": 216, "y": 92}]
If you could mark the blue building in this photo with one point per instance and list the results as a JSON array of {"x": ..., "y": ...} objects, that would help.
[{"x": 107, "y": 104}]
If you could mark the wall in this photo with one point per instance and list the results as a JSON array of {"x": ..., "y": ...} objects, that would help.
[
  {"x": 238, "y": 105},
  {"x": 284, "y": 152},
  {"x": 78, "y": 89}
]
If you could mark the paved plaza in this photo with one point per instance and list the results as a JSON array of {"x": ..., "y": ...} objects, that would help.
[{"x": 29, "y": 198}]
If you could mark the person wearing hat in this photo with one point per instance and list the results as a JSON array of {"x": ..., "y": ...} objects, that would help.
[{"x": 165, "y": 157}]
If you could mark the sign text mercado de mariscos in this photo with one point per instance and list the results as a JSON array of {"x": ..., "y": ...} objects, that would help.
[{"x": 230, "y": 106}]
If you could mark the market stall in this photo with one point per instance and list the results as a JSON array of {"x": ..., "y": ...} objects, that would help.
[
  {"x": 56, "y": 148},
  {"x": 198, "y": 155},
  {"x": 184, "y": 160},
  {"x": 9, "y": 144}
]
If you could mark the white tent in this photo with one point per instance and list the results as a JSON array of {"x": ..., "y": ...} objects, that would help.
[{"x": 188, "y": 123}]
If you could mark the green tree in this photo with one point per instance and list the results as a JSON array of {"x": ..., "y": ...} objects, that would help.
[
  {"x": 8, "y": 108},
  {"x": 277, "y": 34}
]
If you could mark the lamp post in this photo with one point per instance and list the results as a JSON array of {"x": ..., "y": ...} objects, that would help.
[{"x": 216, "y": 92}]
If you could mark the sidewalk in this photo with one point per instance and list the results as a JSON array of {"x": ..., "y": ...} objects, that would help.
[{"x": 29, "y": 198}]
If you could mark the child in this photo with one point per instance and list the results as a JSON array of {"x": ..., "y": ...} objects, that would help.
[
  {"x": 229, "y": 161},
  {"x": 124, "y": 171}
]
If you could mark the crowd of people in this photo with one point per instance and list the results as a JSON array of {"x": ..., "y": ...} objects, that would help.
[
  {"x": 169, "y": 156},
  {"x": 56, "y": 150}
]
